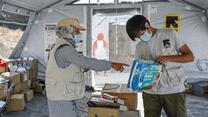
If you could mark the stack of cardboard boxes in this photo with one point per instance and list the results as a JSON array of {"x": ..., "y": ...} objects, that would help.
[
  {"x": 17, "y": 103},
  {"x": 22, "y": 81},
  {"x": 15, "y": 79},
  {"x": 3, "y": 85},
  {"x": 33, "y": 63},
  {"x": 3, "y": 88},
  {"x": 122, "y": 92}
]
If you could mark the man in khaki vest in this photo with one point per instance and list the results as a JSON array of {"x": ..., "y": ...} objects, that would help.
[
  {"x": 167, "y": 48},
  {"x": 65, "y": 84}
]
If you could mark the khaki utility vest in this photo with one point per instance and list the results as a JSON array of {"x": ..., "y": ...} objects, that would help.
[
  {"x": 172, "y": 72},
  {"x": 63, "y": 83}
]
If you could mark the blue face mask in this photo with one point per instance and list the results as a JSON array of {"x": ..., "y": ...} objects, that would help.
[
  {"x": 146, "y": 36},
  {"x": 77, "y": 38}
]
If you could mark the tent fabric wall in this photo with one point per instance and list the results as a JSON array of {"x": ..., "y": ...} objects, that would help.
[
  {"x": 18, "y": 16},
  {"x": 34, "y": 45},
  {"x": 193, "y": 29},
  {"x": 33, "y": 4},
  {"x": 199, "y": 3}
]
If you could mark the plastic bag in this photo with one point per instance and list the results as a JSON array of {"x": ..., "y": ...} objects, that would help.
[
  {"x": 12, "y": 68},
  {"x": 144, "y": 75}
]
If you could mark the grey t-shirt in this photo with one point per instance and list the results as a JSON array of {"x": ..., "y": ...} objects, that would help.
[
  {"x": 152, "y": 45},
  {"x": 66, "y": 55}
]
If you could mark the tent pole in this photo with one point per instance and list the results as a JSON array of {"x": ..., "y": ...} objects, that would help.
[
  {"x": 9, "y": 22},
  {"x": 50, "y": 5},
  {"x": 5, "y": 2},
  {"x": 189, "y": 3},
  {"x": 72, "y": 2}
]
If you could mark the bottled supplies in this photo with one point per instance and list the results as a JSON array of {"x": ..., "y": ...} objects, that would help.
[
  {"x": 27, "y": 67},
  {"x": 144, "y": 75},
  {"x": 21, "y": 68},
  {"x": 24, "y": 65},
  {"x": 2, "y": 66}
]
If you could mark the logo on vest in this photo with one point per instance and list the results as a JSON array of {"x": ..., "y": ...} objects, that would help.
[{"x": 166, "y": 43}]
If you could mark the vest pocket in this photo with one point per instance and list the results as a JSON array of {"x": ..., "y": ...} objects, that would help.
[
  {"x": 175, "y": 76},
  {"x": 74, "y": 89},
  {"x": 77, "y": 75}
]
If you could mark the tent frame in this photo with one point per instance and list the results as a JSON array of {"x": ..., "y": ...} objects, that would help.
[
  {"x": 19, "y": 48},
  {"x": 5, "y": 1},
  {"x": 194, "y": 5},
  {"x": 34, "y": 13}
]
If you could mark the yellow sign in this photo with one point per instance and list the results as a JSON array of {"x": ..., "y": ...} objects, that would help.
[{"x": 172, "y": 21}]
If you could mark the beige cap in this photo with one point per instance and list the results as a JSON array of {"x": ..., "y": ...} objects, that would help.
[{"x": 70, "y": 21}]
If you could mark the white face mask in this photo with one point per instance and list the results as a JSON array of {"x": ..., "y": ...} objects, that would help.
[{"x": 146, "y": 36}]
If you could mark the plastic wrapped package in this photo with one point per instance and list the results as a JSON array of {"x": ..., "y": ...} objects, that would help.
[{"x": 144, "y": 75}]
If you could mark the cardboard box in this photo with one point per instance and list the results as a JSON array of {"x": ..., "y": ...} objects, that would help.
[
  {"x": 102, "y": 112},
  {"x": 3, "y": 90},
  {"x": 24, "y": 76},
  {"x": 17, "y": 88},
  {"x": 129, "y": 114},
  {"x": 2, "y": 97},
  {"x": 31, "y": 74},
  {"x": 28, "y": 95},
  {"x": 14, "y": 77},
  {"x": 2, "y": 66},
  {"x": 130, "y": 98},
  {"x": 33, "y": 63},
  {"x": 7, "y": 63},
  {"x": 17, "y": 103},
  {"x": 2, "y": 69},
  {"x": 25, "y": 85},
  {"x": 38, "y": 87}
]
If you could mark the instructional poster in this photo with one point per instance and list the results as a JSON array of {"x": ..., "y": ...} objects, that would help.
[{"x": 49, "y": 38}]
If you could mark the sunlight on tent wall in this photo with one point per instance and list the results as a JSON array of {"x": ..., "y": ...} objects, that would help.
[
  {"x": 9, "y": 39},
  {"x": 13, "y": 22}
]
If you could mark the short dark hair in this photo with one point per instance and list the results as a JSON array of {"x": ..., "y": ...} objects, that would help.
[{"x": 135, "y": 24}]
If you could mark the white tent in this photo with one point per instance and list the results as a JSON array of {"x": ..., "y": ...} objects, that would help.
[
  {"x": 42, "y": 15},
  {"x": 193, "y": 23}
]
